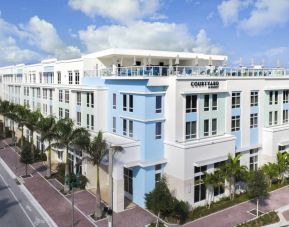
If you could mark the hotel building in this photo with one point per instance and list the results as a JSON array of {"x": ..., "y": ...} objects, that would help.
[{"x": 177, "y": 114}]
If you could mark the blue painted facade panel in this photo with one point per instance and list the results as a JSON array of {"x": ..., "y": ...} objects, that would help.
[
  {"x": 236, "y": 112},
  {"x": 285, "y": 106},
  {"x": 254, "y": 109},
  {"x": 191, "y": 117},
  {"x": 254, "y": 136},
  {"x": 237, "y": 134}
]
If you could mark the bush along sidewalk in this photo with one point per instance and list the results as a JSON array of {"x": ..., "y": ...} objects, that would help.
[{"x": 265, "y": 219}]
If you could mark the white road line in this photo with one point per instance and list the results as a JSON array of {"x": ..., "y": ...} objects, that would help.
[{"x": 17, "y": 200}]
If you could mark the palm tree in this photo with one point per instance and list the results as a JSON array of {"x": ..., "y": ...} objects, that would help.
[
  {"x": 97, "y": 150},
  {"x": 4, "y": 111},
  {"x": 31, "y": 122},
  {"x": 21, "y": 112},
  {"x": 67, "y": 137},
  {"x": 13, "y": 117},
  {"x": 282, "y": 162},
  {"x": 271, "y": 170},
  {"x": 231, "y": 170},
  {"x": 47, "y": 130}
]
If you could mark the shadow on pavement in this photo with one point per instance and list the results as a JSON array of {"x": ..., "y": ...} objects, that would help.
[{"x": 5, "y": 205}]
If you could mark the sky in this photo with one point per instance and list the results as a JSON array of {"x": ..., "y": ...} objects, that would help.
[{"x": 255, "y": 31}]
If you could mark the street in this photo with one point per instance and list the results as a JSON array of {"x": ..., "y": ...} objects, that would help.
[{"x": 15, "y": 208}]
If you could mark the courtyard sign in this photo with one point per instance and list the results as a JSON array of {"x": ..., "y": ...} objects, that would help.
[{"x": 209, "y": 84}]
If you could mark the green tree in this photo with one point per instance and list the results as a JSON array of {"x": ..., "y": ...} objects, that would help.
[
  {"x": 26, "y": 157},
  {"x": 257, "y": 187},
  {"x": 215, "y": 179},
  {"x": 96, "y": 151},
  {"x": 231, "y": 170},
  {"x": 47, "y": 128},
  {"x": 282, "y": 163},
  {"x": 67, "y": 136},
  {"x": 21, "y": 113},
  {"x": 160, "y": 200},
  {"x": 4, "y": 111},
  {"x": 271, "y": 170},
  {"x": 13, "y": 118},
  {"x": 181, "y": 210}
]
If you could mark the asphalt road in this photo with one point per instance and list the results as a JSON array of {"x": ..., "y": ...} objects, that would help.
[{"x": 16, "y": 210}]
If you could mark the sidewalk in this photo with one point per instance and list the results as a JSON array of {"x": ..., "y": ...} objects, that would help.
[{"x": 58, "y": 206}]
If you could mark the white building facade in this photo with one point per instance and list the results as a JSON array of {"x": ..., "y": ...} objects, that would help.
[{"x": 176, "y": 114}]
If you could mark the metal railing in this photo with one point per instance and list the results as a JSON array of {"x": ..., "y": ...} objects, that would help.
[{"x": 160, "y": 71}]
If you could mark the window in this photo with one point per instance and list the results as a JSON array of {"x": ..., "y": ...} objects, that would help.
[
  {"x": 50, "y": 94},
  {"x": 87, "y": 99},
  {"x": 78, "y": 98},
  {"x": 158, "y": 104},
  {"x": 78, "y": 118},
  {"x": 214, "y": 102},
  {"x": 275, "y": 117},
  {"x": 92, "y": 100},
  {"x": 285, "y": 116},
  {"x": 60, "y": 113},
  {"x": 200, "y": 169},
  {"x": 45, "y": 109},
  {"x": 191, "y": 129},
  {"x": 124, "y": 104},
  {"x": 130, "y": 128},
  {"x": 130, "y": 103},
  {"x": 219, "y": 189},
  {"x": 66, "y": 96},
  {"x": 114, "y": 124},
  {"x": 60, "y": 95},
  {"x": 44, "y": 93},
  {"x": 254, "y": 120},
  {"x": 128, "y": 183},
  {"x": 253, "y": 159},
  {"x": 276, "y": 97},
  {"x": 59, "y": 77},
  {"x": 87, "y": 121},
  {"x": 214, "y": 126},
  {"x": 66, "y": 113},
  {"x": 92, "y": 122},
  {"x": 206, "y": 102},
  {"x": 113, "y": 101},
  {"x": 236, "y": 100},
  {"x": 50, "y": 110},
  {"x": 191, "y": 103},
  {"x": 40, "y": 77},
  {"x": 270, "y": 97},
  {"x": 285, "y": 96},
  {"x": 200, "y": 189},
  {"x": 38, "y": 93},
  {"x": 158, "y": 130},
  {"x": 124, "y": 127},
  {"x": 270, "y": 118},
  {"x": 70, "y": 77},
  {"x": 254, "y": 98},
  {"x": 158, "y": 173},
  {"x": 76, "y": 77},
  {"x": 235, "y": 123},
  {"x": 206, "y": 127}
]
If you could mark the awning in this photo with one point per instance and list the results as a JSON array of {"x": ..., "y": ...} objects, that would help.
[
  {"x": 210, "y": 161},
  {"x": 144, "y": 164},
  {"x": 284, "y": 143},
  {"x": 249, "y": 148}
]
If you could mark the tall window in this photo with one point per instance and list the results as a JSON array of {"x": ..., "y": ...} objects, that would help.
[
  {"x": 124, "y": 127},
  {"x": 191, "y": 103},
  {"x": 276, "y": 97},
  {"x": 60, "y": 95},
  {"x": 50, "y": 94},
  {"x": 236, "y": 99},
  {"x": 113, "y": 101},
  {"x": 199, "y": 188},
  {"x": 285, "y": 116},
  {"x": 128, "y": 180},
  {"x": 92, "y": 122},
  {"x": 254, "y": 98},
  {"x": 285, "y": 96},
  {"x": 78, "y": 118},
  {"x": 206, "y": 102},
  {"x": 191, "y": 129},
  {"x": 60, "y": 113},
  {"x": 87, "y": 99},
  {"x": 130, "y": 103},
  {"x": 70, "y": 77},
  {"x": 235, "y": 123},
  {"x": 87, "y": 121},
  {"x": 66, "y": 96},
  {"x": 92, "y": 100},
  {"x": 78, "y": 98},
  {"x": 214, "y": 126},
  {"x": 44, "y": 93},
  {"x": 59, "y": 77},
  {"x": 254, "y": 120},
  {"x": 114, "y": 124},
  {"x": 130, "y": 128},
  {"x": 206, "y": 127},
  {"x": 66, "y": 113},
  {"x": 253, "y": 159},
  {"x": 158, "y": 173},
  {"x": 124, "y": 103},
  {"x": 270, "y": 97},
  {"x": 158, "y": 130},
  {"x": 76, "y": 77},
  {"x": 38, "y": 93},
  {"x": 158, "y": 104},
  {"x": 270, "y": 118},
  {"x": 275, "y": 117},
  {"x": 214, "y": 102}
]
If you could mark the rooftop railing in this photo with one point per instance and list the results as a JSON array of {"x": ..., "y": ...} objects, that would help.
[{"x": 162, "y": 71}]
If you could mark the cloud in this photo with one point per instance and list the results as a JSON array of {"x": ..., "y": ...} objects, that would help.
[
  {"x": 146, "y": 35},
  {"x": 210, "y": 15},
  {"x": 123, "y": 11},
  {"x": 266, "y": 14},
  {"x": 229, "y": 10},
  {"x": 43, "y": 35}
]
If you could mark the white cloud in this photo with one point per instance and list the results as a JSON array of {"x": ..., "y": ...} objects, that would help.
[
  {"x": 210, "y": 15},
  {"x": 229, "y": 10},
  {"x": 266, "y": 15},
  {"x": 44, "y": 36},
  {"x": 146, "y": 35},
  {"x": 120, "y": 10}
]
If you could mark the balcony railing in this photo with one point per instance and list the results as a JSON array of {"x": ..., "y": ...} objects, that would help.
[{"x": 160, "y": 71}]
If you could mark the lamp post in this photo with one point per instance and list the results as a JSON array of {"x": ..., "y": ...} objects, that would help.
[
  {"x": 74, "y": 182},
  {"x": 110, "y": 203}
]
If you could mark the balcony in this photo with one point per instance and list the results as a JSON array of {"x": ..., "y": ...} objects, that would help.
[{"x": 184, "y": 71}]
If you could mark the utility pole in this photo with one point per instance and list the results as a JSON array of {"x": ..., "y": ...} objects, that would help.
[{"x": 110, "y": 203}]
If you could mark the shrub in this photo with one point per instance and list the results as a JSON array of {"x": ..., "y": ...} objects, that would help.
[
  {"x": 181, "y": 210},
  {"x": 265, "y": 219},
  {"x": 83, "y": 182}
]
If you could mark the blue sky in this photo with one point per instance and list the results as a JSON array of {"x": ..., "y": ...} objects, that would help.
[{"x": 255, "y": 30}]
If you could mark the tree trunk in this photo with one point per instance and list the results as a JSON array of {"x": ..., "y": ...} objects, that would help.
[
  {"x": 48, "y": 174},
  {"x": 32, "y": 146},
  {"x": 257, "y": 210},
  {"x": 66, "y": 184},
  {"x": 22, "y": 129},
  {"x": 98, "y": 211},
  {"x": 26, "y": 169},
  {"x": 4, "y": 127},
  {"x": 233, "y": 185},
  {"x": 158, "y": 218}
]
